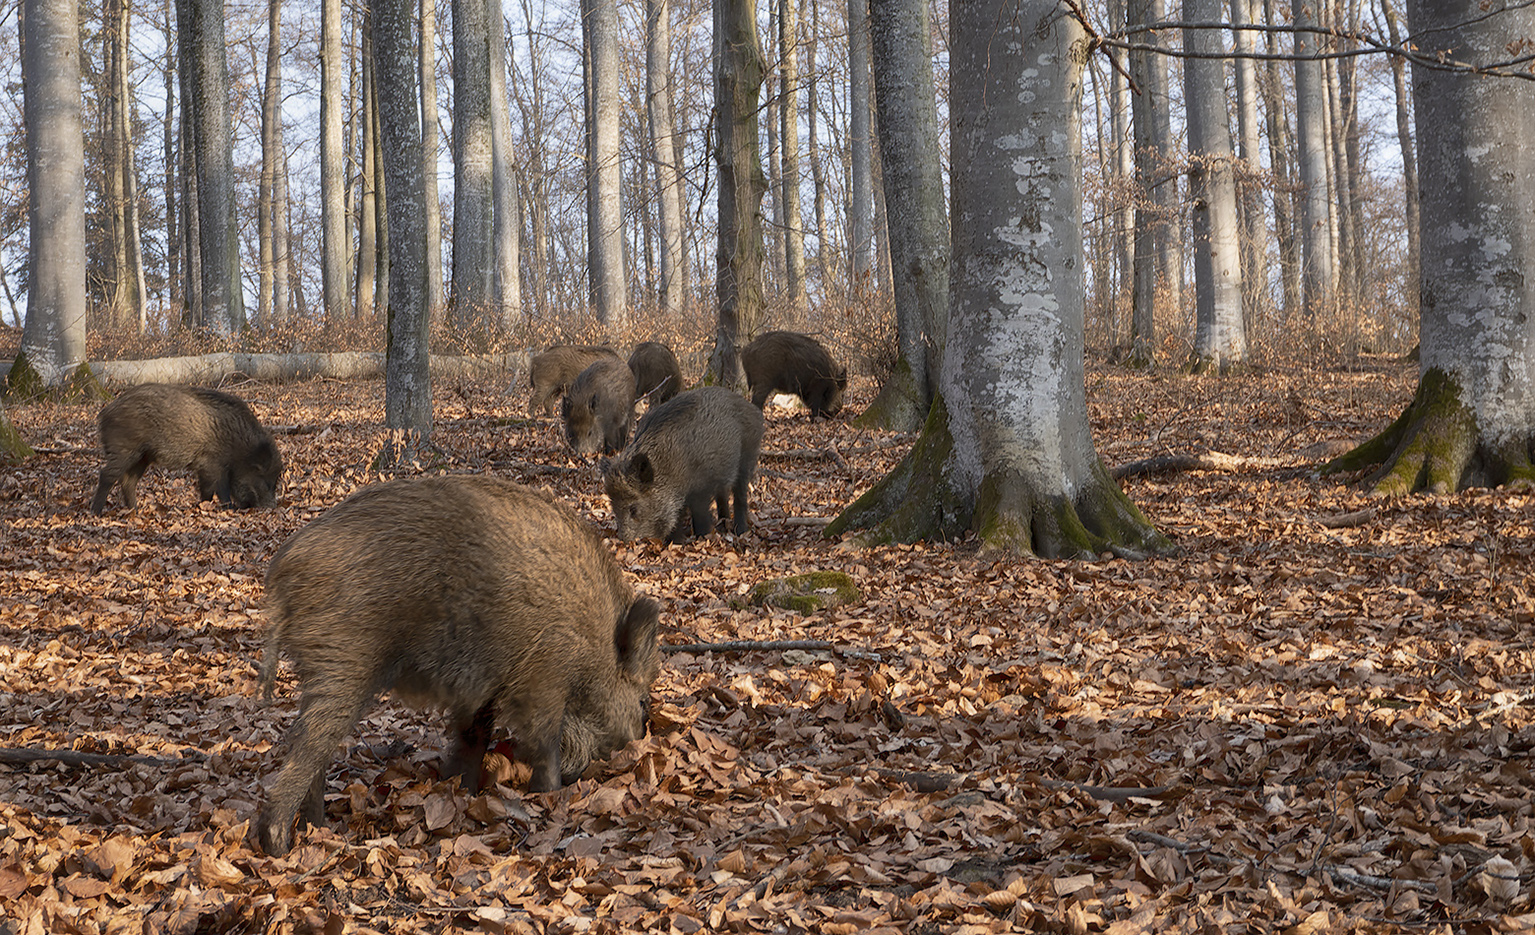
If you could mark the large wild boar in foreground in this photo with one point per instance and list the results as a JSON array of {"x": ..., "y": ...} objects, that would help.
[
  {"x": 187, "y": 427},
  {"x": 551, "y": 372},
  {"x": 691, "y": 450},
  {"x": 657, "y": 375},
  {"x": 794, "y": 363},
  {"x": 472, "y": 594},
  {"x": 599, "y": 409}
]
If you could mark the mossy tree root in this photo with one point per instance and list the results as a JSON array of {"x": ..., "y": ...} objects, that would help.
[
  {"x": 898, "y": 407},
  {"x": 23, "y": 382},
  {"x": 917, "y": 501},
  {"x": 1433, "y": 445}
]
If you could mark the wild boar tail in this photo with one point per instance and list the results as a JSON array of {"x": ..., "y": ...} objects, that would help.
[{"x": 270, "y": 654}]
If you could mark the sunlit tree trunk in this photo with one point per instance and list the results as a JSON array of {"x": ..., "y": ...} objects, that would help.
[
  {"x": 125, "y": 300},
  {"x": 335, "y": 245},
  {"x": 473, "y": 152},
  {"x": 1409, "y": 159},
  {"x": 1250, "y": 177},
  {"x": 658, "y": 76},
  {"x": 604, "y": 179},
  {"x": 738, "y": 74},
  {"x": 223, "y": 301},
  {"x": 1472, "y": 421},
  {"x": 407, "y": 382},
  {"x": 1124, "y": 180},
  {"x": 506, "y": 226},
  {"x": 1158, "y": 262},
  {"x": 427, "y": 67},
  {"x": 267, "y": 208},
  {"x": 366, "y": 288},
  {"x": 169, "y": 74},
  {"x": 53, "y": 338},
  {"x": 1318, "y": 272},
  {"x": 918, "y": 222},
  {"x": 1006, "y": 453},
  {"x": 789, "y": 82},
  {"x": 1220, "y": 340},
  {"x": 860, "y": 220},
  {"x": 1281, "y": 145},
  {"x": 825, "y": 254}
]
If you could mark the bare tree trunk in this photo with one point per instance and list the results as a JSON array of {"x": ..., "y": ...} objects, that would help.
[
  {"x": 1220, "y": 341},
  {"x": 407, "y": 380},
  {"x": 1158, "y": 239},
  {"x": 604, "y": 180},
  {"x": 473, "y": 153},
  {"x": 223, "y": 301},
  {"x": 335, "y": 244},
  {"x": 125, "y": 303},
  {"x": 1319, "y": 277},
  {"x": 1123, "y": 297},
  {"x": 861, "y": 203},
  {"x": 173, "y": 252},
  {"x": 1409, "y": 160},
  {"x": 53, "y": 338},
  {"x": 1280, "y": 148},
  {"x": 427, "y": 67},
  {"x": 366, "y": 288},
  {"x": 825, "y": 256},
  {"x": 738, "y": 73},
  {"x": 789, "y": 181},
  {"x": 663, "y": 152},
  {"x": 266, "y": 199},
  {"x": 506, "y": 227},
  {"x": 1250, "y": 175}
]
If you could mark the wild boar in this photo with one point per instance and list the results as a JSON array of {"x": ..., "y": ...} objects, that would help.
[
  {"x": 187, "y": 427},
  {"x": 789, "y": 362},
  {"x": 468, "y": 593},
  {"x": 699, "y": 446},
  {"x": 551, "y": 372},
  {"x": 657, "y": 375},
  {"x": 599, "y": 409}
]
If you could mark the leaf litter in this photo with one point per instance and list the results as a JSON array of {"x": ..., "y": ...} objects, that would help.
[{"x": 1298, "y": 724}]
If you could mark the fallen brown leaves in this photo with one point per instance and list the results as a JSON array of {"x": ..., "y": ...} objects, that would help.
[{"x": 1298, "y": 725}]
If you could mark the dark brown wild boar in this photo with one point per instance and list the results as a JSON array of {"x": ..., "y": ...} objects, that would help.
[
  {"x": 789, "y": 362},
  {"x": 551, "y": 372},
  {"x": 468, "y": 593},
  {"x": 187, "y": 427},
  {"x": 695, "y": 448},
  {"x": 599, "y": 409},
  {"x": 657, "y": 375}
]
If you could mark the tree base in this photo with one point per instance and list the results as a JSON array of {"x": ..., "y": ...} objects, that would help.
[
  {"x": 898, "y": 407},
  {"x": 23, "y": 382},
  {"x": 406, "y": 451},
  {"x": 1436, "y": 446},
  {"x": 919, "y": 501}
]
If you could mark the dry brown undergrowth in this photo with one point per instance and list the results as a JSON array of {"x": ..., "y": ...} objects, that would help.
[{"x": 1290, "y": 726}]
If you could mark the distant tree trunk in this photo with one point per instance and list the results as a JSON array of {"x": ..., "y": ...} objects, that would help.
[
  {"x": 1250, "y": 186},
  {"x": 1220, "y": 341},
  {"x": 1280, "y": 148},
  {"x": 223, "y": 301},
  {"x": 506, "y": 226},
  {"x": 1472, "y": 421},
  {"x": 738, "y": 73},
  {"x": 658, "y": 75},
  {"x": 1318, "y": 274},
  {"x": 1158, "y": 258},
  {"x": 604, "y": 177},
  {"x": 860, "y": 141},
  {"x": 335, "y": 244},
  {"x": 407, "y": 379},
  {"x": 125, "y": 303},
  {"x": 1006, "y": 453},
  {"x": 1348, "y": 255},
  {"x": 266, "y": 196},
  {"x": 186, "y": 156},
  {"x": 1409, "y": 160},
  {"x": 473, "y": 154},
  {"x": 788, "y": 115},
  {"x": 919, "y": 223},
  {"x": 380, "y": 196},
  {"x": 53, "y": 338},
  {"x": 170, "y": 149},
  {"x": 1123, "y": 297},
  {"x": 825, "y": 254},
  {"x": 427, "y": 67},
  {"x": 368, "y": 231}
]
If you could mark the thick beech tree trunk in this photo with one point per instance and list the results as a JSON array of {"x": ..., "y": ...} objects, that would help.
[
  {"x": 1006, "y": 452},
  {"x": 918, "y": 218},
  {"x": 222, "y": 297},
  {"x": 1472, "y": 421},
  {"x": 473, "y": 183}
]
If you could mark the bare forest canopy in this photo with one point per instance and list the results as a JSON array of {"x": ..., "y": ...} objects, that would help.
[{"x": 139, "y": 180}]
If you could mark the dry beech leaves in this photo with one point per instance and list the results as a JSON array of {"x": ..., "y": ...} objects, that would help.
[{"x": 1299, "y": 724}]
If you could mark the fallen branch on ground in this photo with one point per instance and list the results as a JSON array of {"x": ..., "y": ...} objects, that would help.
[
  {"x": 21, "y": 756},
  {"x": 1210, "y": 461}
]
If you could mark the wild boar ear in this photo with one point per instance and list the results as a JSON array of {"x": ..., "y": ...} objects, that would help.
[
  {"x": 635, "y": 637},
  {"x": 642, "y": 469}
]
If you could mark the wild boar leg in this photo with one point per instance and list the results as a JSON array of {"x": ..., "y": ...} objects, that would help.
[
  {"x": 323, "y": 720},
  {"x": 467, "y": 758},
  {"x": 703, "y": 517},
  {"x": 545, "y": 760}
]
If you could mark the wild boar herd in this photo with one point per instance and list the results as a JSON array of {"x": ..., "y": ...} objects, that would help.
[{"x": 471, "y": 593}]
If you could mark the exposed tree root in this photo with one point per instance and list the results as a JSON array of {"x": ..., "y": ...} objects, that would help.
[{"x": 898, "y": 407}]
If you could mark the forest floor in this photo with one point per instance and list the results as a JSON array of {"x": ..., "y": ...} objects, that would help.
[{"x": 1316, "y": 718}]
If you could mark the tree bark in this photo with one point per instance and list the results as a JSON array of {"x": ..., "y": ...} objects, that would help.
[
  {"x": 658, "y": 100},
  {"x": 407, "y": 378},
  {"x": 919, "y": 223},
  {"x": 738, "y": 74},
  {"x": 1220, "y": 339},
  {"x": 789, "y": 181},
  {"x": 473, "y": 183},
  {"x": 604, "y": 179},
  {"x": 1472, "y": 420},
  {"x": 125, "y": 301},
  {"x": 1280, "y": 149},
  {"x": 825, "y": 253},
  {"x": 1255, "y": 275},
  {"x": 223, "y": 299},
  {"x": 506, "y": 289},
  {"x": 267, "y": 207},
  {"x": 860, "y": 140},
  {"x": 335, "y": 244},
  {"x": 53, "y": 338},
  {"x": 1409, "y": 161},
  {"x": 1318, "y": 269},
  {"x": 1006, "y": 452},
  {"x": 432, "y": 200},
  {"x": 368, "y": 229},
  {"x": 1158, "y": 262}
]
